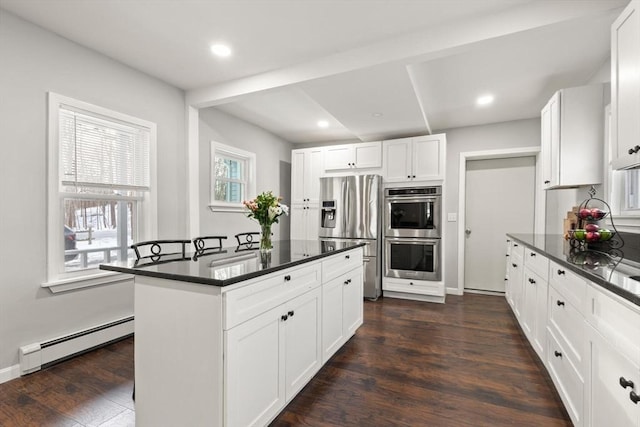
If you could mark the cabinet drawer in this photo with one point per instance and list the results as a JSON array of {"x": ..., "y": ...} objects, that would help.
[
  {"x": 536, "y": 262},
  {"x": 567, "y": 323},
  {"x": 423, "y": 287},
  {"x": 571, "y": 286},
  {"x": 268, "y": 292},
  {"x": 568, "y": 381},
  {"x": 616, "y": 320},
  {"x": 341, "y": 263},
  {"x": 517, "y": 249}
]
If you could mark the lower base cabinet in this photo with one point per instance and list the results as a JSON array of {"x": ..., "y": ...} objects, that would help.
[
  {"x": 341, "y": 311},
  {"x": 587, "y": 337},
  {"x": 287, "y": 340},
  {"x": 613, "y": 381}
]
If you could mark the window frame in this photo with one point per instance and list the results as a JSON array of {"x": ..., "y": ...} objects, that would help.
[
  {"x": 615, "y": 186},
  {"x": 57, "y": 279},
  {"x": 249, "y": 160}
]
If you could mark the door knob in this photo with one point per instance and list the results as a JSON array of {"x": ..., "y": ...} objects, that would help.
[{"x": 467, "y": 231}]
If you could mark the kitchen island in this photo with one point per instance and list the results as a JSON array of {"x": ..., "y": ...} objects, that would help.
[{"x": 229, "y": 338}]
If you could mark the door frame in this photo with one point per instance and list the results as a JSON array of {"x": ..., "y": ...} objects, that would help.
[{"x": 539, "y": 197}]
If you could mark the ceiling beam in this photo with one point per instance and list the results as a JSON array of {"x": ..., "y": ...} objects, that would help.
[{"x": 418, "y": 46}]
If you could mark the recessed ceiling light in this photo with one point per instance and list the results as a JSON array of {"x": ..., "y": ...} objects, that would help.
[
  {"x": 376, "y": 114},
  {"x": 323, "y": 123},
  {"x": 220, "y": 50},
  {"x": 484, "y": 100}
]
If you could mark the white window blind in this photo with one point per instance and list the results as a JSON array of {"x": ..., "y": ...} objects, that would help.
[{"x": 99, "y": 153}]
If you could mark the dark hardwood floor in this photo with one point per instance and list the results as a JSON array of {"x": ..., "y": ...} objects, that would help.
[{"x": 464, "y": 363}]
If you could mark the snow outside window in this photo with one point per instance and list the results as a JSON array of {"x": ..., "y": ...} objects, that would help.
[{"x": 232, "y": 177}]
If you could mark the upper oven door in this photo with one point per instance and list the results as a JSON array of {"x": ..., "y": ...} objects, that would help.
[{"x": 412, "y": 216}]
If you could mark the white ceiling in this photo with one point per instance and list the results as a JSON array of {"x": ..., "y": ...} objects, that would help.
[{"x": 419, "y": 63}]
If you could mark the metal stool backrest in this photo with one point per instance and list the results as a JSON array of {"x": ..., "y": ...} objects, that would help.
[
  {"x": 155, "y": 249},
  {"x": 201, "y": 248},
  {"x": 249, "y": 240}
]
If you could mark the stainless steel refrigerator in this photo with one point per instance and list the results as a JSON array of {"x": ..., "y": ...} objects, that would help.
[{"x": 351, "y": 210}]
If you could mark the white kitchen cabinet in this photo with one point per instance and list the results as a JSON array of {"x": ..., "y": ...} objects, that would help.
[
  {"x": 305, "y": 221},
  {"x": 625, "y": 88},
  {"x": 610, "y": 402},
  {"x": 306, "y": 169},
  {"x": 287, "y": 340},
  {"x": 516, "y": 281},
  {"x": 507, "y": 283},
  {"x": 341, "y": 311},
  {"x": 414, "y": 159},
  {"x": 613, "y": 360},
  {"x": 572, "y": 140},
  {"x": 534, "y": 310},
  {"x": 366, "y": 155}
]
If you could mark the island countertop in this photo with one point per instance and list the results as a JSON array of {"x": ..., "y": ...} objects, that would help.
[
  {"x": 619, "y": 274},
  {"x": 233, "y": 264}
]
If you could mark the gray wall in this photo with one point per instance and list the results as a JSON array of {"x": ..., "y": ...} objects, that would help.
[
  {"x": 35, "y": 61},
  {"x": 519, "y": 133},
  {"x": 273, "y": 170}
]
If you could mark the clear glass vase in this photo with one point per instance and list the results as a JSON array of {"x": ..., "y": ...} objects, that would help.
[{"x": 265, "y": 238}]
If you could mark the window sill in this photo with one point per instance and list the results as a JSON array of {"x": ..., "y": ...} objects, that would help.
[
  {"x": 628, "y": 223},
  {"x": 97, "y": 279},
  {"x": 227, "y": 208}
]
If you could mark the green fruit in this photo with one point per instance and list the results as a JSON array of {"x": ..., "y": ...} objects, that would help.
[
  {"x": 579, "y": 234},
  {"x": 605, "y": 234}
]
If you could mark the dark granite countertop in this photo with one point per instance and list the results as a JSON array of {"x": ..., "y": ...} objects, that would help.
[
  {"x": 231, "y": 265},
  {"x": 612, "y": 270}
]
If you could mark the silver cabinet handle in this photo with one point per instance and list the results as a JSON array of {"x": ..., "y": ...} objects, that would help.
[{"x": 467, "y": 231}]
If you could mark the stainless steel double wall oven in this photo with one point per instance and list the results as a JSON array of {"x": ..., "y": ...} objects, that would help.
[{"x": 413, "y": 229}]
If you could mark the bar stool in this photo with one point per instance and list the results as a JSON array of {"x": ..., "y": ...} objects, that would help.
[{"x": 202, "y": 245}]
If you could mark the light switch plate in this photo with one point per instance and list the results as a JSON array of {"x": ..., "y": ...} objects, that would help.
[{"x": 452, "y": 217}]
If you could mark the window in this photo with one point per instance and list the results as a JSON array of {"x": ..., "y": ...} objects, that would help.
[
  {"x": 100, "y": 188},
  {"x": 232, "y": 177}
]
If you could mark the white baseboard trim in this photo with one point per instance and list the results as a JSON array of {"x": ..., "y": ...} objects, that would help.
[
  {"x": 37, "y": 355},
  {"x": 454, "y": 291},
  {"x": 10, "y": 373}
]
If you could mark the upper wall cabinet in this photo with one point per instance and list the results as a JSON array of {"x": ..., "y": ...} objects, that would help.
[
  {"x": 306, "y": 168},
  {"x": 625, "y": 88},
  {"x": 419, "y": 158},
  {"x": 353, "y": 156},
  {"x": 572, "y": 145}
]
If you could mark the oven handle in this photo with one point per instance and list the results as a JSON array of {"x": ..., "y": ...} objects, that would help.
[
  {"x": 412, "y": 199},
  {"x": 411, "y": 240}
]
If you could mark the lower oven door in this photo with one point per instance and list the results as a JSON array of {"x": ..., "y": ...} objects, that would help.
[{"x": 417, "y": 259}]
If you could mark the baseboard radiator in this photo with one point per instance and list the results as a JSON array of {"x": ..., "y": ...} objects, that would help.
[{"x": 34, "y": 357}]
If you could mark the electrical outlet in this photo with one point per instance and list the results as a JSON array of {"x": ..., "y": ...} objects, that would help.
[{"x": 452, "y": 217}]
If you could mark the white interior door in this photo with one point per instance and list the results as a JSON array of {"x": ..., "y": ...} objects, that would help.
[{"x": 499, "y": 199}]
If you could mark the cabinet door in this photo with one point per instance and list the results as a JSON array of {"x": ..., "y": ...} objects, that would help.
[
  {"x": 625, "y": 87},
  {"x": 254, "y": 370},
  {"x": 397, "y": 160},
  {"x": 540, "y": 317},
  {"x": 608, "y": 402},
  {"x": 312, "y": 222},
  {"x": 313, "y": 171},
  {"x": 428, "y": 157},
  {"x": 298, "y": 172},
  {"x": 528, "y": 310},
  {"x": 332, "y": 313},
  {"x": 299, "y": 217},
  {"x": 507, "y": 276},
  {"x": 303, "y": 353},
  {"x": 352, "y": 308},
  {"x": 550, "y": 141},
  {"x": 368, "y": 155},
  {"x": 516, "y": 279},
  {"x": 338, "y": 157}
]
